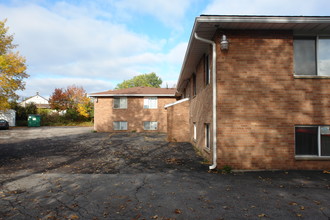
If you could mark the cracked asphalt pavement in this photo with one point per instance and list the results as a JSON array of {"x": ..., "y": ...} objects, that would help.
[{"x": 73, "y": 173}]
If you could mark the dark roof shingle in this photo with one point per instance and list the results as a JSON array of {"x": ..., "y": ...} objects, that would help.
[{"x": 135, "y": 91}]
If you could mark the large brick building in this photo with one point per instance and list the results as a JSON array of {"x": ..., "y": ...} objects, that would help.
[
  {"x": 259, "y": 91},
  {"x": 139, "y": 109},
  {"x": 255, "y": 94}
]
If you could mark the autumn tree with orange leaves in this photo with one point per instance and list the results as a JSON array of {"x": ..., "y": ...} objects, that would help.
[
  {"x": 58, "y": 100},
  {"x": 73, "y": 99},
  {"x": 12, "y": 68}
]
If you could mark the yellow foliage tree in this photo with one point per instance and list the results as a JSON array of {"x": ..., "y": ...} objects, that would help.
[
  {"x": 12, "y": 68},
  {"x": 85, "y": 107}
]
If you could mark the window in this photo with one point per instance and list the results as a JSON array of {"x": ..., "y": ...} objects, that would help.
[
  {"x": 119, "y": 102},
  {"x": 324, "y": 56},
  {"x": 195, "y": 132},
  {"x": 312, "y": 140},
  {"x": 194, "y": 84},
  {"x": 312, "y": 56},
  {"x": 150, "y": 125},
  {"x": 207, "y": 69},
  {"x": 150, "y": 102},
  {"x": 120, "y": 125},
  {"x": 207, "y": 136}
]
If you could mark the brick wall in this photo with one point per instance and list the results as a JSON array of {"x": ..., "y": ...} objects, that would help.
[
  {"x": 260, "y": 101},
  {"x": 200, "y": 108},
  {"x": 135, "y": 114},
  {"x": 178, "y": 122}
]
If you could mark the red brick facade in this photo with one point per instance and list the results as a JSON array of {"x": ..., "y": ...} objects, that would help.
[
  {"x": 260, "y": 102},
  {"x": 200, "y": 110},
  {"x": 178, "y": 122},
  {"x": 135, "y": 114}
]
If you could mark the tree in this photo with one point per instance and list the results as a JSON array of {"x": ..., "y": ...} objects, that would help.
[
  {"x": 12, "y": 68},
  {"x": 58, "y": 100},
  {"x": 75, "y": 95},
  {"x": 86, "y": 108},
  {"x": 147, "y": 80},
  {"x": 74, "y": 99},
  {"x": 23, "y": 112}
]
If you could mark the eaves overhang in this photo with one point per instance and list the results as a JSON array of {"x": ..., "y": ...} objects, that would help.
[{"x": 207, "y": 25}]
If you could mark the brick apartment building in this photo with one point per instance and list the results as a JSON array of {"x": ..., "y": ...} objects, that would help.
[
  {"x": 139, "y": 109},
  {"x": 258, "y": 90}
]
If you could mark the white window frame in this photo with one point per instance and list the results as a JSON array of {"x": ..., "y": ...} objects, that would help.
[
  {"x": 121, "y": 126},
  {"x": 122, "y": 102},
  {"x": 318, "y": 142},
  {"x": 195, "y": 132},
  {"x": 150, "y": 125},
  {"x": 317, "y": 56},
  {"x": 150, "y": 102},
  {"x": 207, "y": 136}
]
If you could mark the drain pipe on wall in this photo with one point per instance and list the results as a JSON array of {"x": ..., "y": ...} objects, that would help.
[{"x": 214, "y": 107}]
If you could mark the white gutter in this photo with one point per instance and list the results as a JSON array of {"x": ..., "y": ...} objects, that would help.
[
  {"x": 214, "y": 107},
  {"x": 177, "y": 102},
  {"x": 265, "y": 19}
]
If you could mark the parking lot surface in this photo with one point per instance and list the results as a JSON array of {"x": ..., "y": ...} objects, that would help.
[{"x": 74, "y": 173}]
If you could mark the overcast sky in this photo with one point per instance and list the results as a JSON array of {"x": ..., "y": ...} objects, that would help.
[{"x": 97, "y": 44}]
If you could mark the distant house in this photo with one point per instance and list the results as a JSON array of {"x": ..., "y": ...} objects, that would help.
[
  {"x": 38, "y": 100},
  {"x": 139, "y": 109}
]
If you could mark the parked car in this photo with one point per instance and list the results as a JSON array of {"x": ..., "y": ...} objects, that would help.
[{"x": 4, "y": 124}]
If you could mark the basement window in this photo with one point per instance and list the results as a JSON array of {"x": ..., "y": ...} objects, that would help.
[
  {"x": 195, "y": 131},
  {"x": 312, "y": 56},
  {"x": 120, "y": 125},
  {"x": 312, "y": 141}
]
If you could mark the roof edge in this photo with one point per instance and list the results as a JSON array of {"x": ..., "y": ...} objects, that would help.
[
  {"x": 262, "y": 19},
  {"x": 127, "y": 95}
]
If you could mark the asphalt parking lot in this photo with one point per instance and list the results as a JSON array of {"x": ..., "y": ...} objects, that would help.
[{"x": 74, "y": 173}]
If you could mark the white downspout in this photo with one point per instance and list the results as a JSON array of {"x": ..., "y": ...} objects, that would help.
[{"x": 214, "y": 107}]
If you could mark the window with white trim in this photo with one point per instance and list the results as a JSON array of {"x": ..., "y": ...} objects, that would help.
[
  {"x": 119, "y": 102},
  {"x": 120, "y": 125},
  {"x": 195, "y": 131},
  {"x": 312, "y": 141},
  {"x": 150, "y": 102},
  {"x": 312, "y": 56},
  {"x": 150, "y": 125},
  {"x": 207, "y": 136}
]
